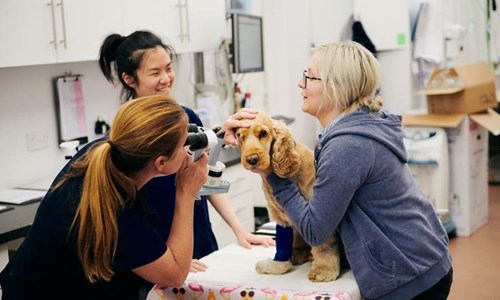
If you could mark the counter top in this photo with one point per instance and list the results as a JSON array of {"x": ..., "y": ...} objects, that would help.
[{"x": 15, "y": 223}]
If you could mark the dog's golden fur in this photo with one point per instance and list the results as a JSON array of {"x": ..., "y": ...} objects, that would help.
[{"x": 269, "y": 142}]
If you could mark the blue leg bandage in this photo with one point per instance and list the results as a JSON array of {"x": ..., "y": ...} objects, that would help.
[{"x": 284, "y": 243}]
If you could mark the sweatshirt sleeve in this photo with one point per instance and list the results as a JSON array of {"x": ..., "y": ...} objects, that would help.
[{"x": 343, "y": 166}]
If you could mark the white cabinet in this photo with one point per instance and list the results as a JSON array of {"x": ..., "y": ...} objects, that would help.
[
  {"x": 26, "y": 33},
  {"x": 241, "y": 195},
  {"x": 188, "y": 25},
  {"x": 83, "y": 25},
  {"x": 391, "y": 33},
  {"x": 34, "y": 32},
  {"x": 52, "y": 31},
  {"x": 157, "y": 16},
  {"x": 204, "y": 25},
  {"x": 330, "y": 17}
]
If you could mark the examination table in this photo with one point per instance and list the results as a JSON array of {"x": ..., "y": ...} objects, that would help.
[{"x": 231, "y": 275}]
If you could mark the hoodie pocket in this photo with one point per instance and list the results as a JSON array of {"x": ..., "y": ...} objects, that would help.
[
  {"x": 375, "y": 263},
  {"x": 382, "y": 274}
]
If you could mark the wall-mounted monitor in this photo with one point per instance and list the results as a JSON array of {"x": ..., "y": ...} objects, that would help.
[{"x": 247, "y": 53}]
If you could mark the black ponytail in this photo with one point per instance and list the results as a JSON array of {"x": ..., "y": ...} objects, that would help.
[
  {"x": 125, "y": 54},
  {"x": 107, "y": 54}
]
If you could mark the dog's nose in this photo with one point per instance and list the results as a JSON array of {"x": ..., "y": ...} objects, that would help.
[{"x": 253, "y": 159}]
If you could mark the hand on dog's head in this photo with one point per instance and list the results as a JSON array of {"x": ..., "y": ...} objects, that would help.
[{"x": 267, "y": 146}]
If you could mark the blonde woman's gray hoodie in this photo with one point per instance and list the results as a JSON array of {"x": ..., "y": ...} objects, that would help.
[{"x": 393, "y": 239}]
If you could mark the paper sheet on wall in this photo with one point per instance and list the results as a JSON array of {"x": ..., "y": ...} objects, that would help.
[{"x": 71, "y": 105}]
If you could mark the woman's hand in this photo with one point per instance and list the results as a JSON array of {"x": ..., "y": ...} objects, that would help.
[
  {"x": 247, "y": 239},
  {"x": 233, "y": 122},
  {"x": 197, "y": 266},
  {"x": 192, "y": 175}
]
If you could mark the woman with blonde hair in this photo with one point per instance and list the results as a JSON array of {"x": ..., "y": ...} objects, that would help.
[
  {"x": 93, "y": 236},
  {"x": 394, "y": 242}
]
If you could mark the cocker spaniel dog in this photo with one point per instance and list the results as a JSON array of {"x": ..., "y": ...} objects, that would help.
[{"x": 269, "y": 142}]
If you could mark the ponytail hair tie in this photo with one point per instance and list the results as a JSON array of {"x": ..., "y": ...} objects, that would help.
[{"x": 113, "y": 146}]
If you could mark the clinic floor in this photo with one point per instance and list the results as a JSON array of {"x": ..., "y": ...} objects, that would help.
[{"x": 476, "y": 259}]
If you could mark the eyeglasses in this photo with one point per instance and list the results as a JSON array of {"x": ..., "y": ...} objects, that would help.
[{"x": 305, "y": 77}]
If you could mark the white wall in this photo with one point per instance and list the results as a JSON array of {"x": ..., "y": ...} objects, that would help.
[
  {"x": 287, "y": 29},
  {"x": 27, "y": 105}
]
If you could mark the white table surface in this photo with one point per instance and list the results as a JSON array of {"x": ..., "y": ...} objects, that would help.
[{"x": 232, "y": 272}]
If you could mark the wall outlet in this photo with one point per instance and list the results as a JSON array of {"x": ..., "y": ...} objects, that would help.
[{"x": 37, "y": 140}]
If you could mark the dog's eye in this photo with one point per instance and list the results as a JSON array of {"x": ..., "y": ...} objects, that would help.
[
  {"x": 262, "y": 134},
  {"x": 240, "y": 136}
]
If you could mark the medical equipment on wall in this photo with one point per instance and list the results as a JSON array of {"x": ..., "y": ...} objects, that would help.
[{"x": 198, "y": 139}]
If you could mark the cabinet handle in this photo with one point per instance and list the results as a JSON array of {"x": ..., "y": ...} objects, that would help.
[
  {"x": 54, "y": 35},
  {"x": 188, "y": 32},
  {"x": 63, "y": 41},
  {"x": 184, "y": 7}
]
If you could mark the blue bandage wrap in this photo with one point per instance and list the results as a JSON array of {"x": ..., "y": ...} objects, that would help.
[{"x": 284, "y": 243}]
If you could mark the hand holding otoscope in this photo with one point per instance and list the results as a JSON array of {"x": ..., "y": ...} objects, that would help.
[{"x": 198, "y": 139}]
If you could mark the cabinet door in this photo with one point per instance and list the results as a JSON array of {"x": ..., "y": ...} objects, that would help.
[
  {"x": 50, "y": 31},
  {"x": 330, "y": 20},
  {"x": 26, "y": 33},
  {"x": 187, "y": 25},
  {"x": 157, "y": 16},
  {"x": 204, "y": 23},
  {"x": 393, "y": 32},
  {"x": 83, "y": 25}
]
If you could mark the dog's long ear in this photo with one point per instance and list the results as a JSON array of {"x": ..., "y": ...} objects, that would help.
[{"x": 285, "y": 159}]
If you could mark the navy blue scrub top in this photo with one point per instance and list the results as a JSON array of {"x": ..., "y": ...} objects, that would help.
[
  {"x": 46, "y": 265},
  {"x": 161, "y": 195},
  {"x": 160, "y": 206},
  {"x": 161, "y": 199}
]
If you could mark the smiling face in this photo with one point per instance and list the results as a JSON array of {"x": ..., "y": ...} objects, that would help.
[
  {"x": 312, "y": 93},
  {"x": 255, "y": 142},
  {"x": 155, "y": 74}
]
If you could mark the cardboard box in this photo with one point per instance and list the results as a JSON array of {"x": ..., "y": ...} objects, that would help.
[
  {"x": 468, "y": 163},
  {"x": 464, "y": 89},
  {"x": 464, "y": 109}
]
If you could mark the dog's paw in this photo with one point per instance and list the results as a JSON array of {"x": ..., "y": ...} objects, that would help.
[
  {"x": 322, "y": 273},
  {"x": 269, "y": 266},
  {"x": 300, "y": 255}
]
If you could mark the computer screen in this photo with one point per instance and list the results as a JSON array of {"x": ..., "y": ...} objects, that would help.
[{"x": 247, "y": 51}]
